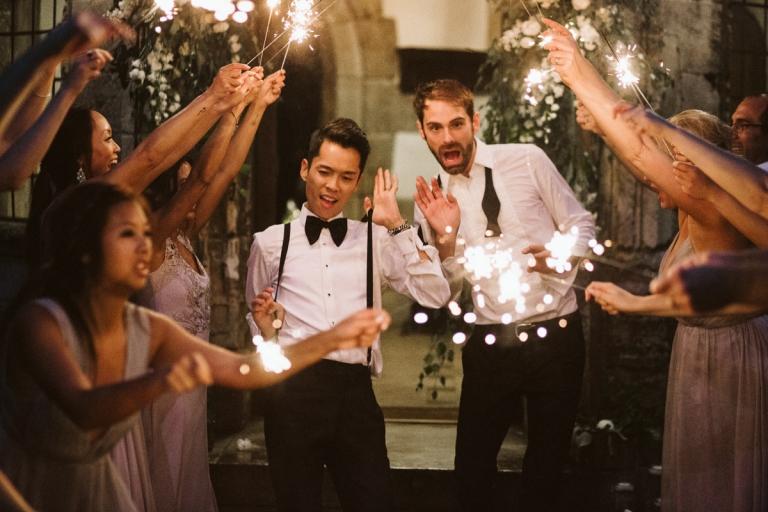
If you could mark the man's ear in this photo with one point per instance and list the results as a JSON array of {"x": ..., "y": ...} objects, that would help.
[
  {"x": 304, "y": 169},
  {"x": 476, "y": 123},
  {"x": 421, "y": 129}
]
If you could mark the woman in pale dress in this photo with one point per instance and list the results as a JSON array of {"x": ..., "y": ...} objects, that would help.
[
  {"x": 75, "y": 354},
  {"x": 175, "y": 427},
  {"x": 713, "y": 453}
]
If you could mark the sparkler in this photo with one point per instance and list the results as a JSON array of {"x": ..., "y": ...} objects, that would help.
[
  {"x": 272, "y": 357},
  {"x": 299, "y": 18},
  {"x": 561, "y": 249},
  {"x": 627, "y": 78},
  {"x": 489, "y": 261},
  {"x": 271, "y": 4},
  {"x": 534, "y": 80}
]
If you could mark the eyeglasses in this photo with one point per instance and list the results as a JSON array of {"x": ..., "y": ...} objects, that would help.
[{"x": 739, "y": 126}]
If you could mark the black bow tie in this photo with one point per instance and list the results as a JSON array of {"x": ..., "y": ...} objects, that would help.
[{"x": 314, "y": 225}]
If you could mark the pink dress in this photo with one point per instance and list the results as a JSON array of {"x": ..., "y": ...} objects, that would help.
[
  {"x": 715, "y": 454},
  {"x": 175, "y": 427}
]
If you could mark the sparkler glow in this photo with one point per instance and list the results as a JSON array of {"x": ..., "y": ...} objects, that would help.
[
  {"x": 561, "y": 247},
  {"x": 271, "y": 4},
  {"x": 272, "y": 357},
  {"x": 534, "y": 80},
  {"x": 299, "y": 18},
  {"x": 491, "y": 261}
]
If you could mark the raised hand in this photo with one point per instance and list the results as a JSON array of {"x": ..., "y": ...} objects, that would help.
[
  {"x": 442, "y": 212},
  {"x": 86, "y": 67},
  {"x": 643, "y": 121},
  {"x": 228, "y": 80},
  {"x": 611, "y": 298},
  {"x": 189, "y": 372},
  {"x": 272, "y": 88},
  {"x": 694, "y": 182},
  {"x": 85, "y": 31},
  {"x": 586, "y": 121},
  {"x": 268, "y": 315},
  {"x": 564, "y": 53},
  {"x": 538, "y": 263},
  {"x": 385, "y": 212},
  {"x": 361, "y": 328}
]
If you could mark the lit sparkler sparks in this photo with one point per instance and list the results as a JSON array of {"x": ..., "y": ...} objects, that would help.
[
  {"x": 272, "y": 357},
  {"x": 299, "y": 18},
  {"x": 534, "y": 80},
  {"x": 561, "y": 249},
  {"x": 491, "y": 261}
]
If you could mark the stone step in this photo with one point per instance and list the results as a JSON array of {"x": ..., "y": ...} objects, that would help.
[{"x": 421, "y": 457}]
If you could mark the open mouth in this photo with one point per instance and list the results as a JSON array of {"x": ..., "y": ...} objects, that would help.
[
  {"x": 452, "y": 157},
  {"x": 142, "y": 268},
  {"x": 328, "y": 201}
]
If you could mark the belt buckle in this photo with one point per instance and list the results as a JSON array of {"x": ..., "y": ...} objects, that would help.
[{"x": 520, "y": 325}]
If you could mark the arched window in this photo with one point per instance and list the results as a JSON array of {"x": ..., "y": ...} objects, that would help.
[{"x": 745, "y": 58}]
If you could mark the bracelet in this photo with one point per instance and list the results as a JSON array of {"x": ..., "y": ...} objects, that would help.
[
  {"x": 399, "y": 229},
  {"x": 237, "y": 121}
]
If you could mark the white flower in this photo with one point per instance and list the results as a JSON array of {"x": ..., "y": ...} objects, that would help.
[
  {"x": 220, "y": 27},
  {"x": 528, "y": 124},
  {"x": 527, "y": 42},
  {"x": 236, "y": 58},
  {"x": 558, "y": 91},
  {"x": 233, "y": 38},
  {"x": 531, "y": 27},
  {"x": 176, "y": 97},
  {"x": 236, "y": 47},
  {"x": 603, "y": 424},
  {"x": 555, "y": 107},
  {"x": 151, "y": 90},
  {"x": 184, "y": 49},
  {"x": 549, "y": 100},
  {"x": 174, "y": 107},
  {"x": 162, "y": 95},
  {"x": 580, "y": 5},
  {"x": 538, "y": 133}
]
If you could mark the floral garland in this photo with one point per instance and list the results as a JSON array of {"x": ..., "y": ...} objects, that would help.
[
  {"x": 174, "y": 60},
  {"x": 528, "y": 102}
]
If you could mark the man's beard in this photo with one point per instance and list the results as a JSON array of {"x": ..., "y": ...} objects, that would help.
[{"x": 466, "y": 152}]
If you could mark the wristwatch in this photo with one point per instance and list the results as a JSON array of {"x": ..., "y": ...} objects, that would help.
[{"x": 399, "y": 229}]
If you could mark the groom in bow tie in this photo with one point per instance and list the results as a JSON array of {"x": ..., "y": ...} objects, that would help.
[{"x": 324, "y": 267}]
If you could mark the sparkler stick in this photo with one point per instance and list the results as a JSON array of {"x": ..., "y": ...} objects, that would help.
[
  {"x": 635, "y": 88},
  {"x": 286, "y": 30},
  {"x": 271, "y": 4},
  {"x": 286, "y": 54}
]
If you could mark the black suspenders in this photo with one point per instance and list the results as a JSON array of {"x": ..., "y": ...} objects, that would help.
[{"x": 369, "y": 263}]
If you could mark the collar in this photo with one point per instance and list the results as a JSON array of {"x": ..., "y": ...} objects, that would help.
[
  {"x": 483, "y": 159},
  {"x": 306, "y": 213}
]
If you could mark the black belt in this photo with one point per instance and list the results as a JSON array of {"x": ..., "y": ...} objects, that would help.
[{"x": 515, "y": 329}]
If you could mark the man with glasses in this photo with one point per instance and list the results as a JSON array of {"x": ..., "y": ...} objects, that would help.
[{"x": 750, "y": 130}]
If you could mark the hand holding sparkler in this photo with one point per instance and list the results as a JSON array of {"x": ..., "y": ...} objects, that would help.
[
  {"x": 359, "y": 329},
  {"x": 227, "y": 81},
  {"x": 271, "y": 89},
  {"x": 612, "y": 298},
  {"x": 643, "y": 121},
  {"x": 386, "y": 212},
  {"x": 694, "y": 182},
  {"x": 86, "y": 31},
  {"x": 268, "y": 315},
  {"x": 565, "y": 54},
  {"x": 442, "y": 213}
]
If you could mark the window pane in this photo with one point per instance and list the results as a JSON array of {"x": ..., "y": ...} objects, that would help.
[{"x": 5, "y": 15}]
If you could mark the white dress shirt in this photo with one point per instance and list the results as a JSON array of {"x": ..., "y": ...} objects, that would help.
[
  {"x": 322, "y": 284},
  {"x": 535, "y": 201}
]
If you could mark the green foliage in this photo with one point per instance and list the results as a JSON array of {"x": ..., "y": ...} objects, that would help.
[
  {"x": 173, "y": 61},
  {"x": 528, "y": 102}
]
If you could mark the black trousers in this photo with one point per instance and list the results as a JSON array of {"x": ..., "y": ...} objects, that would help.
[
  {"x": 327, "y": 415},
  {"x": 548, "y": 371}
]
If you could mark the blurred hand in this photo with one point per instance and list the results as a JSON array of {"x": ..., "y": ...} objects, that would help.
[
  {"x": 85, "y": 31},
  {"x": 442, "y": 212},
  {"x": 611, "y": 298},
  {"x": 385, "y": 210},
  {"x": 268, "y": 315},
  {"x": 586, "y": 121},
  {"x": 86, "y": 67},
  {"x": 361, "y": 328},
  {"x": 189, "y": 372}
]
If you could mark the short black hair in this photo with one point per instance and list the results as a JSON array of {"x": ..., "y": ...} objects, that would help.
[
  {"x": 344, "y": 132},
  {"x": 764, "y": 115}
]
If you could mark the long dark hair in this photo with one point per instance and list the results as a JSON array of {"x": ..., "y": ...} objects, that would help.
[
  {"x": 58, "y": 172},
  {"x": 73, "y": 259}
]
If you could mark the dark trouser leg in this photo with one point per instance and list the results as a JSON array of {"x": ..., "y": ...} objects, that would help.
[
  {"x": 554, "y": 371},
  {"x": 299, "y": 425},
  {"x": 491, "y": 382},
  {"x": 358, "y": 460}
]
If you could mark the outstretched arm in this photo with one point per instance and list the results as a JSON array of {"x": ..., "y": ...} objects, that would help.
[
  {"x": 638, "y": 150},
  {"x": 745, "y": 181},
  {"x": 174, "y": 138},
  {"x": 170, "y": 342},
  {"x": 716, "y": 283},
  {"x": 615, "y": 300},
  {"x": 22, "y": 157},
  {"x": 30, "y": 73},
  {"x": 44, "y": 355},
  {"x": 238, "y": 148}
]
